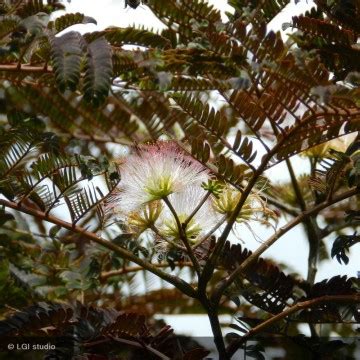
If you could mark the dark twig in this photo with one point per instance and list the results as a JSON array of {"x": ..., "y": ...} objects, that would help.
[
  {"x": 174, "y": 280},
  {"x": 299, "y": 306}
]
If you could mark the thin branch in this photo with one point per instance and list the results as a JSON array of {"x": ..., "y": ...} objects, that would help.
[
  {"x": 312, "y": 232},
  {"x": 223, "y": 285},
  {"x": 174, "y": 280},
  {"x": 310, "y": 224},
  {"x": 23, "y": 232},
  {"x": 131, "y": 269},
  {"x": 295, "y": 185},
  {"x": 98, "y": 139},
  {"x": 337, "y": 227},
  {"x": 299, "y": 306},
  {"x": 157, "y": 232},
  {"x": 183, "y": 236},
  {"x": 143, "y": 345},
  {"x": 15, "y": 7},
  {"x": 25, "y": 68},
  {"x": 198, "y": 207},
  {"x": 280, "y": 205}
]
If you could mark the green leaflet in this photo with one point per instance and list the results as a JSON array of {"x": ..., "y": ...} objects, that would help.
[
  {"x": 98, "y": 71},
  {"x": 63, "y": 22},
  {"x": 67, "y": 53}
]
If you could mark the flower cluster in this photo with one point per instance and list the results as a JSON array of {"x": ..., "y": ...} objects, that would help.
[
  {"x": 165, "y": 191},
  {"x": 161, "y": 187}
]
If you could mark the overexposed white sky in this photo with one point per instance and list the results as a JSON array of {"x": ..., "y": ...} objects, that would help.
[
  {"x": 113, "y": 13},
  {"x": 291, "y": 249}
]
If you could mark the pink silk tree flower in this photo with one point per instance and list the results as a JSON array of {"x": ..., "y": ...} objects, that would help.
[{"x": 155, "y": 171}]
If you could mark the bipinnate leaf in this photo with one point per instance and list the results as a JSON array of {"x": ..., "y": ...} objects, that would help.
[
  {"x": 79, "y": 328},
  {"x": 98, "y": 71},
  {"x": 67, "y": 52}
]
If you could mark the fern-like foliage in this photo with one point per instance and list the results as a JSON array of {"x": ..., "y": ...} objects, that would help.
[
  {"x": 231, "y": 93},
  {"x": 266, "y": 104},
  {"x": 21, "y": 182},
  {"x": 63, "y": 22},
  {"x": 98, "y": 71},
  {"x": 79, "y": 329},
  {"x": 32, "y": 7},
  {"x": 67, "y": 53},
  {"x": 270, "y": 289},
  {"x": 267, "y": 9},
  {"x": 329, "y": 311},
  {"x": 341, "y": 245},
  {"x": 334, "y": 36},
  {"x": 277, "y": 288}
]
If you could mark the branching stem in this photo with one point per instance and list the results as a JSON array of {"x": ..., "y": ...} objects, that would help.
[
  {"x": 255, "y": 255},
  {"x": 174, "y": 280},
  {"x": 131, "y": 269},
  {"x": 299, "y": 306},
  {"x": 25, "y": 68}
]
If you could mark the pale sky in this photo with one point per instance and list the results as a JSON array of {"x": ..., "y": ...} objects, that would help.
[
  {"x": 292, "y": 248},
  {"x": 113, "y": 13}
]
